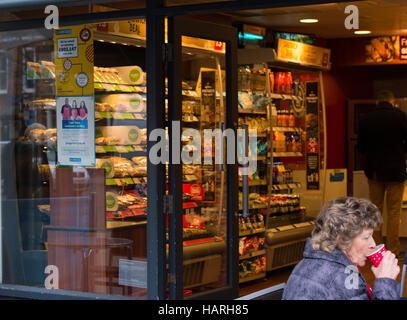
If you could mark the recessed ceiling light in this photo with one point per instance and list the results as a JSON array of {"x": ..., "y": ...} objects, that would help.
[
  {"x": 309, "y": 20},
  {"x": 362, "y": 32}
]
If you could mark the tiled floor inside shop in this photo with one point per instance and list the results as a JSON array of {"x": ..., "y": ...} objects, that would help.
[{"x": 281, "y": 276}]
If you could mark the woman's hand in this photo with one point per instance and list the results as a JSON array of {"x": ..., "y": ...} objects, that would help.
[{"x": 388, "y": 268}]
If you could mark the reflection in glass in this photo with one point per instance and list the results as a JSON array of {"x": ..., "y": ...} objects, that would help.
[
  {"x": 204, "y": 177},
  {"x": 74, "y": 228}
]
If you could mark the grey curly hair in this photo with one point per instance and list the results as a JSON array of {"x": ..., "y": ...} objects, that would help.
[{"x": 341, "y": 220}]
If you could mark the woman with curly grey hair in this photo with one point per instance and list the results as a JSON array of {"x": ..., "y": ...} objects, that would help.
[{"x": 340, "y": 242}]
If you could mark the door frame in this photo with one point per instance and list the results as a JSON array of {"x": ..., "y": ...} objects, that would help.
[
  {"x": 352, "y": 137},
  {"x": 178, "y": 27}
]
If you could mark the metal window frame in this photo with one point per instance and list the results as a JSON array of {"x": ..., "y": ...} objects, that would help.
[
  {"x": 156, "y": 259},
  {"x": 178, "y": 27}
]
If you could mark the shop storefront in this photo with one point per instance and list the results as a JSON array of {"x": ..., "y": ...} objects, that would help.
[
  {"x": 79, "y": 162},
  {"x": 149, "y": 154}
]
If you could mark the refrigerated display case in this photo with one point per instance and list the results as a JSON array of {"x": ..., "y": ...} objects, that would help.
[
  {"x": 288, "y": 224},
  {"x": 253, "y": 111},
  {"x": 282, "y": 87}
]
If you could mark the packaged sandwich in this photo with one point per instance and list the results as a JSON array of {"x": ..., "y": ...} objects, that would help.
[
  {"x": 107, "y": 165},
  {"x": 112, "y": 203},
  {"x": 140, "y": 161},
  {"x": 113, "y": 141},
  {"x": 122, "y": 166}
]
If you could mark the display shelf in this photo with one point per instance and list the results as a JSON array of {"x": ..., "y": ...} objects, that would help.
[
  {"x": 282, "y": 103},
  {"x": 243, "y": 233},
  {"x": 141, "y": 123},
  {"x": 134, "y": 40},
  {"x": 255, "y": 183},
  {"x": 260, "y": 135},
  {"x": 119, "y": 88},
  {"x": 120, "y": 149},
  {"x": 284, "y": 96},
  {"x": 118, "y": 215},
  {"x": 256, "y": 118},
  {"x": 252, "y": 277},
  {"x": 117, "y": 224},
  {"x": 258, "y": 158},
  {"x": 123, "y": 181},
  {"x": 99, "y": 115},
  {"x": 284, "y": 186},
  {"x": 255, "y": 207},
  {"x": 187, "y": 96},
  {"x": 287, "y": 154},
  {"x": 252, "y": 112},
  {"x": 253, "y": 254},
  {"x": 288, "y": 219},
  {"x": 286, "y": 129}
]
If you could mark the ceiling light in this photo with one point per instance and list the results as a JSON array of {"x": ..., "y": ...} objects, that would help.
[
  {"x": 309, "y": 20},
  {"x": 362, "y": 32}
]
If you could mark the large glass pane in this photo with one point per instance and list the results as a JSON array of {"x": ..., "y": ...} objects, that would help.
[
  {"x": 73, "y": 158},
  {"x": 203, "y": 159}
]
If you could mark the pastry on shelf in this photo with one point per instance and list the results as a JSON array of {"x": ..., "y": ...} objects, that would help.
[
  {"x": 43, "y": 104},
  {"x": 120, "y": 107},
  {"x": 103, "y": 107},
  {"x": 140, "y": 161},
  {"x": 38, "y": 134},
  {"x": 122, "y": 167}
]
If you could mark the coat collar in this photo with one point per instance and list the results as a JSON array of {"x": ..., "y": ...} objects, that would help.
[
  {"x": 384, "y": 105},
  {"x": 335, "y": 256}
]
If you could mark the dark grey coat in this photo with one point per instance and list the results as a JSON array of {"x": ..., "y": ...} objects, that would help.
[
  {"x": 332, "y": 276},
  {"x": 382, "y": 138}
]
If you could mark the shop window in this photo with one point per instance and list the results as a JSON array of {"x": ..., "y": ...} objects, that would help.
[{"x": 74, "y": 201}]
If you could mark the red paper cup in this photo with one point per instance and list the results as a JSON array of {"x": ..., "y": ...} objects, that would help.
[{"x": 377, "y": 255}]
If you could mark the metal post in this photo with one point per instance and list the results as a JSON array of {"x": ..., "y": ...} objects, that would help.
[
  {"x": 175, "y": 217},
  {"x": 156, "y": 256}
]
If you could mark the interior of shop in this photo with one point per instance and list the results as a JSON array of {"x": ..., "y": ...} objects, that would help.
[{"x": 302, "y": 85}]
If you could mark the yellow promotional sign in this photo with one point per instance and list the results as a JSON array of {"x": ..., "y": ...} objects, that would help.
[
  {"x": 73, "y": 47},
  {"x": 293, "y": 51}
]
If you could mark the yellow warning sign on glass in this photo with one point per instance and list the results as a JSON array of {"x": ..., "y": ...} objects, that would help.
[{"x": 73, "y": 47}]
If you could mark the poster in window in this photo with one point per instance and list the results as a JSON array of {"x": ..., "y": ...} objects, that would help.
[
  {"x": 75, "y": 100},
  {"x": 76, "y": 131},
  {"x": 312, "y": 136}
]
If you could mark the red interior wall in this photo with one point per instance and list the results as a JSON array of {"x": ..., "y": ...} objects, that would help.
[
  {"x": 342, "y": 83},
  {"x": 335, "y": 102}
]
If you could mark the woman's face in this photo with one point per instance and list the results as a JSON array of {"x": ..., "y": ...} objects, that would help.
[
  {"x": 361, "y": 246},
  {"x": 74, "y": 113}
]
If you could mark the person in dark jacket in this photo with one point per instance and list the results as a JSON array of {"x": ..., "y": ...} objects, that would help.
[
  {"x": 382, "y": 139},
  {"x": 339, "y": 244}
]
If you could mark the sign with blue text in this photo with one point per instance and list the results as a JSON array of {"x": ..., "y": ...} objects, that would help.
[{"x": 76, "y": 131}]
